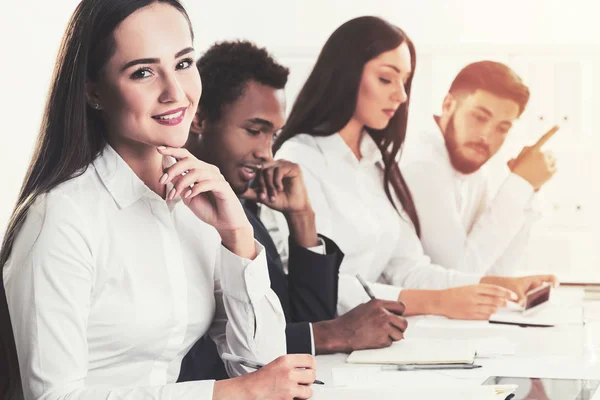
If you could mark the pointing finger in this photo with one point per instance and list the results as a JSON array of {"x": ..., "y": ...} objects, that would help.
[{"x": 547, "y": 136}]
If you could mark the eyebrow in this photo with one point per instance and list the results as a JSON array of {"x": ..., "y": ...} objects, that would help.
[
  {"x": 395, "y": 68},
  {"x": 489, "y": 113},
  {"x": 484, "y": 110},
  {"x": 155, "y": 60},
  {"x": 260, "y": 121}
]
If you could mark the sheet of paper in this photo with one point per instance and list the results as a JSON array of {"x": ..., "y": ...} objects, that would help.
[
  {"x": 495, "y": 346},
  {"x": 497, "y": 392},
  {"x": 418, "y": 351},
  {"x": 372, "y": 376},
  {"x": 492, "y": 340},
  {"x": 435, "y": 321},
  {"x": 489, "y": 341}
]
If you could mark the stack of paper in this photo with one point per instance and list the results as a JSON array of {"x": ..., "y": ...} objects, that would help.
[{"x": 418, "y": 351}]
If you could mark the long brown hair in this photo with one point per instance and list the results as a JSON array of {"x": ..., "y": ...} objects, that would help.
[
  {"x": 71, "y": 136},
  {"x": 328, "y": 99}
]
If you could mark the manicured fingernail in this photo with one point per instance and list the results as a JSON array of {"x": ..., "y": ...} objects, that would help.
[
  {"x": 161, "y": 147},
  {"x": 187, "y": 194},
  {"x": 272, "y": 198},
  {"x": 513, "y": 296},
  {"x": 172, "y": 194},
  {"x": 263, "y": 196},
  {"x": 164, "y": 178}
]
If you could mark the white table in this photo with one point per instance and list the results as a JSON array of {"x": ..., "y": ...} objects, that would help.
[{"x": 568, "y": 351}]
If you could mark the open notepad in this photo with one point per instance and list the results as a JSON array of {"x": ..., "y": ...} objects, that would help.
[{"x": 418, "y": 351}]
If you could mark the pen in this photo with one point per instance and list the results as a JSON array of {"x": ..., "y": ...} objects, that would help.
[
  {"x": 425, "y": 367},
  {"x": 252, "y": 364},
  {"x": 365, "y": 286},
  {"x": 521, "y": 324}
]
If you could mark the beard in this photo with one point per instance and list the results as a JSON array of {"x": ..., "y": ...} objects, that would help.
[{"x": 459, "y": 161}]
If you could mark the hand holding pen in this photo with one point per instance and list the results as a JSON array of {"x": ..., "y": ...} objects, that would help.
[
  {"x": 375, "y": 324},
  {"x": 287, "y": 377},
  {"x": 308, "y": 368}
]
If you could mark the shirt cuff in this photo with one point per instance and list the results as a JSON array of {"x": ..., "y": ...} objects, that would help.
[
  {"x": 312, "y": 340},
  {"x": 244, "y": 279},
  {"x": 515, "y": 190},
  {"x": 320, "y": 248},
  {"x": 534, "y": 207},
  {"x": 298, "y": 338}
]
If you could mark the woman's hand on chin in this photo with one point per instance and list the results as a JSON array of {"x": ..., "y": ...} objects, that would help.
[{"x": 206, "y": 192}]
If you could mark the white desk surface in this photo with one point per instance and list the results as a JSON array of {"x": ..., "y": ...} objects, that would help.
[{"x": 569, "y": 351}]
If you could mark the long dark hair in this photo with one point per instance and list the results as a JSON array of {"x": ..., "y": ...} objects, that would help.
[
  {"x": 71, "y": 136},
  {"x": 328, "y": 99}
]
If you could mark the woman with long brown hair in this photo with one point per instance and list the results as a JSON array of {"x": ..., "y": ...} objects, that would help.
[{"x": 124, "y": 249}]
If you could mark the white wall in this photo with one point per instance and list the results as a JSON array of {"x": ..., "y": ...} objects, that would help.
[{"x": 446, "y": 33}]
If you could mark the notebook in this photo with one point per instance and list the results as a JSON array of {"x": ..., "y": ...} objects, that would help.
[{"x": 418, "y": 351}]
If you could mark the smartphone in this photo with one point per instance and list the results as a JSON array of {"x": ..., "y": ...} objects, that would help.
[{"x": 537, "y": 297}]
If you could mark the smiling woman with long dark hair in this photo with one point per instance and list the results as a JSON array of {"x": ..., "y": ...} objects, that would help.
[
  {"x": 346, "y": 130},
  {"x": 124, "y": 249}
]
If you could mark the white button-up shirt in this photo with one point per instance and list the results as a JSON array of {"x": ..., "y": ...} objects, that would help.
[
  {"x": 461, "y": 226},
  {"x": 352, "y": 209},
  {"x": 109, "y": 286}
]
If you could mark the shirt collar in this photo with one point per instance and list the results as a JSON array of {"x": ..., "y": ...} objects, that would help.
[
  {"x": 334, "y": 146},
  {"x": 369, "y": 150},
  {"x": 122, "y": 183}
]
